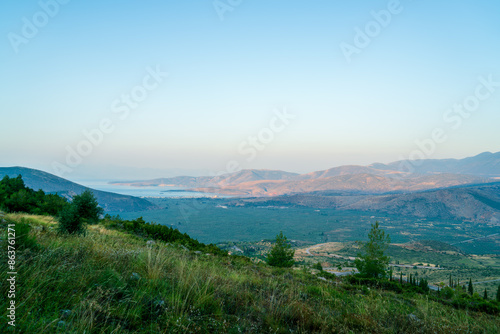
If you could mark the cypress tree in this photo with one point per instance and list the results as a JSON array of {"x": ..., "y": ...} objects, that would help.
[
  {"x": 498, "y": 293},
  {"x": 485, "y": 296},
  {"x": 471, "y": 288}
]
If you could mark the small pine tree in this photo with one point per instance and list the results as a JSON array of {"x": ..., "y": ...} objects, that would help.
[
  {"x": 372, "y": 260},
  {"x": 471, "y": 288},
  {"x": 281, "y": 255},
  {"x": 82, "y": 210},
  {"x": 87, "y": 207}
]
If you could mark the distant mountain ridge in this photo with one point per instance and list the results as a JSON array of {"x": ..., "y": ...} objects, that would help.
[
  {"x": 49, "y": 183},
  {"x": 476, "y": 203},
  {"x": 458, "y": 189},
  {"x": 486, "y": 164},
  {"x": 375, "y": 178}
]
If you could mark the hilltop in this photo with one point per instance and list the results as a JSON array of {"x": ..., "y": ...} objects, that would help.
[
  {"x": 486, "y": 164},
  {"x": 49, "y": 183}
]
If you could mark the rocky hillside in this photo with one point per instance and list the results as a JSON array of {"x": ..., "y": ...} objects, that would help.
[{"x": 376, "y": 178}]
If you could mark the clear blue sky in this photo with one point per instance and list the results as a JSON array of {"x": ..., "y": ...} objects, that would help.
[{"x": 225, "y": 78}]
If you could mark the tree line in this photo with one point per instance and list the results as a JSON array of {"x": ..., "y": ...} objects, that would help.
[
  {"x": 16, "y": 197},
  {"x": 74, "y": 216}
]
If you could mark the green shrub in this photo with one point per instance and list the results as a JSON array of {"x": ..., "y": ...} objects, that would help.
[
  {"x": 318, "y": 266},
  {"x": 70, "y": 222},
  {"x": 447, "y": 292},
  {"x": 160, "y": 232}
]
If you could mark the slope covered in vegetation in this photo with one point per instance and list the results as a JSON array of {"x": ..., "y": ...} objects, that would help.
[{"x": 113, "y": 281}]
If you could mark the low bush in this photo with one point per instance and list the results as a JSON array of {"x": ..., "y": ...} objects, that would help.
[{"x": 160, "y": 232}]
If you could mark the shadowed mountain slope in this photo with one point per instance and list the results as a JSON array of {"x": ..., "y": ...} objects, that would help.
[{"x": 50, "y": 183}]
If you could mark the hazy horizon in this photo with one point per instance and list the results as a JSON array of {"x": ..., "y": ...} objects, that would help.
[
  {"x": 294, "y": 86},
  {"x": 88, "y": 174}
]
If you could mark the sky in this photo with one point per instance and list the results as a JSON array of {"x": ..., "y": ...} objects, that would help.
[{"x": 135, "y": 89}]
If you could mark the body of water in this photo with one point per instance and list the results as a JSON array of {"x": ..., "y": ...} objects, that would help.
[{"x": 145, "y": 191}]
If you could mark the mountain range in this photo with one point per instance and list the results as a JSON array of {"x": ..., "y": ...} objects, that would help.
[
  {"x": 376, "y": 178},
  {"x": 486, "y": 164},
  {"x": 460, "y": 189}
]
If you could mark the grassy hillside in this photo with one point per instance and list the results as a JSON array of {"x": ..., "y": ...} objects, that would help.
[{"x": 113, "y": 282}]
